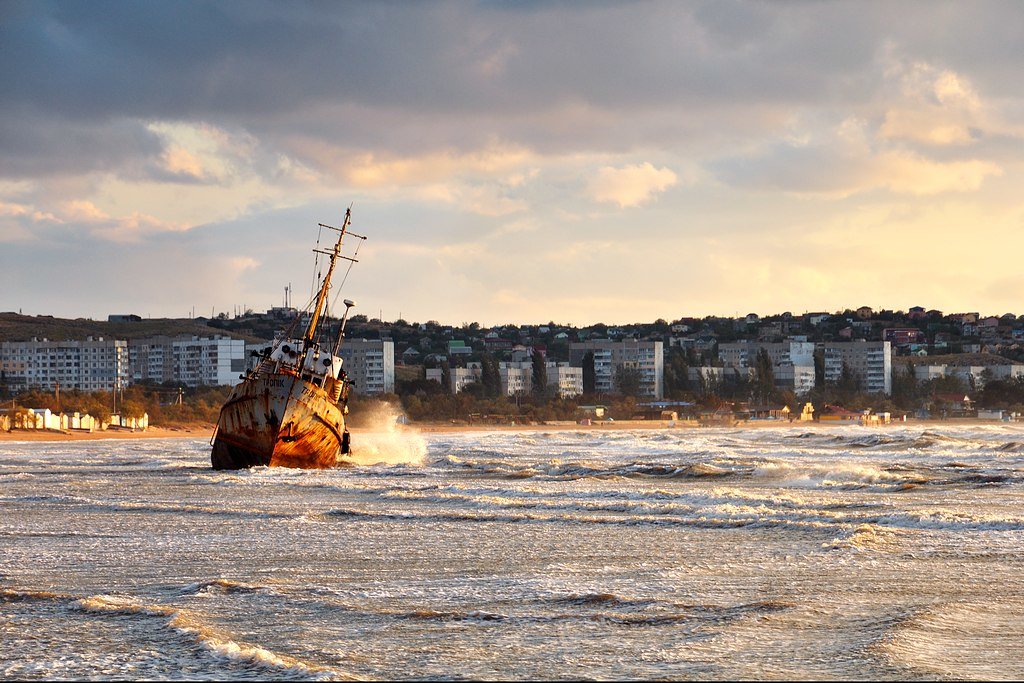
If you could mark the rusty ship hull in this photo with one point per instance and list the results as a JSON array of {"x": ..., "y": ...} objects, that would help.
[
  {"x": 279, "y": 420},
  {"x": 289, "y": 410}
]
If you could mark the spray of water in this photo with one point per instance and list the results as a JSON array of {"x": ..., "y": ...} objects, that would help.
[{"x": 378, "y": 437}]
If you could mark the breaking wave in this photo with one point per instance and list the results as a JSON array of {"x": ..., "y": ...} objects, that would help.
[{"x": 183, "y": 623}]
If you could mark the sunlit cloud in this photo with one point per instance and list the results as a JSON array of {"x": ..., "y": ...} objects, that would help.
[
  {"x": 937, "y": 107},
  {"x": 631, "y": 185},
  {"x": 903, "y": 172}
]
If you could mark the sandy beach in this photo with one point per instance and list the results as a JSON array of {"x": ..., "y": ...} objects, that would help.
[{"x": 191, "y": 432}]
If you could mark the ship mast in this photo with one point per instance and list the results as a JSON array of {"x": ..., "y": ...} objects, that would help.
[{"x": 335, "y": 254}]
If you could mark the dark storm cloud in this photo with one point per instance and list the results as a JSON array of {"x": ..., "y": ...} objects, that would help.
[
  {"x": 33, "y": 144},
  {"x": 418, "y": 75},
  {"x": 406, "y": 77}
]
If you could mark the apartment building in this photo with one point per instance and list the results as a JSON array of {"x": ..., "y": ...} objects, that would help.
[
  {"x": 610, "y": 357},
  {"x": 971, "y": 375},
  {"x": 870, "y": 361},
  {"x": 563, "y": 380},
  {"x": 91, "y": 365},
  {"x": 370, "y": 364},
  {"x": 189, "y": 359},
  {"x": 459, "y": 378},
  {"x": 792, "y": 361}
]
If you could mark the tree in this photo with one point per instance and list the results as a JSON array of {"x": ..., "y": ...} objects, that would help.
[
  {"x": 849, "y": 382},
  {"x": 764, "y": 377},
  {"x": 490, "y": 376},
  {"x": 628, "y": 380},
  {"x": 905, "y": 391},
  {"x": 446, "y": 376},
  {"x": 677, "y": 371},
  {"x": 589, "y": 374},
  {"x": 540, "y": 375}
]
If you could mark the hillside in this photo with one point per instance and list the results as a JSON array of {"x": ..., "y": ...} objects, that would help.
[{"x": 15, "y": 327}]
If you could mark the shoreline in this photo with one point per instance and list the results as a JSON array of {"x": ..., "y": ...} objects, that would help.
[
  {"x": 196, "y": 431},
  {"x": 205, "y": 431}
]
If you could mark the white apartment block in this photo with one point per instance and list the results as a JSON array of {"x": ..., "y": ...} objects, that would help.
[
  {"x": 188, "y": 359},
  {"x": 460, "y": 378},
  {"x": 870, "y": 361},
  {"x": 647, "y": 357},
  {"x": 370, "y": 364},
  {"x": 566, "y": 380},
  {"x": 92, "y": 365},
  {"x": 792, "y": 361},
  {"x": 970, "y": 375},
  {"x": 563, "y": 380},
  {"x": 516, "y": 378}
]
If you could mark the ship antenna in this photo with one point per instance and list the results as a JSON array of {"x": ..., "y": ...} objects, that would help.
[
  {"x": 335, "y": 254},
  {"x": 341, "y": 330}
]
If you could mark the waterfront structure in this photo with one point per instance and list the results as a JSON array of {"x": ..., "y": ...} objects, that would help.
[
  {"x": 869, "y": 361},
  {"x": 612, "y": 357},
  {"x": 792, "y": 361},
  {"x": 188, "y": 359},
  {"x": 93, "y": 364},
  {"x": 370, "y": 364}
]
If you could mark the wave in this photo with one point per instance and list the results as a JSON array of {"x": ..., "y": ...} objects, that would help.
[
  {"x": 221, "y": 586},
  {"x": 558, "y": 470},
  {"x": 606, "y": 608},
  {"x": 160, "y": 507},
  {"x": 14, "y": 595},
  {"x": 958, "y": 640},
  {"x": 210, "y": 640},
  {"x": 718, "y": 508},
  {"x": 865, "y": 537},
  {"x": 601, "y": 600}
]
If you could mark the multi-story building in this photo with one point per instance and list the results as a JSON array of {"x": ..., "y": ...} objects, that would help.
[
  {"x": 370, "y": 364},
  {"x": 563, "y": 380},
  {"x": 973, "y": 376},
  {"x": 612, "y": 357},
  {"x": 459, "y": 378},
  {"x": 870, "y": 362},
  {"x": 90, "y": 365},
  {"x": 188, "y": 359},
  {"x": 516, "y": 378},
  {"x": 792, "y": 361}
]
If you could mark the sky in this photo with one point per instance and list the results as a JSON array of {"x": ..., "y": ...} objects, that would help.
[{"x": 575, "y": 162}]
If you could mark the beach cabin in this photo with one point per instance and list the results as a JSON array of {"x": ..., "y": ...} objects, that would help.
[
  {"x": 839, "y": 415},
  {"x": 41, "y": 418}
]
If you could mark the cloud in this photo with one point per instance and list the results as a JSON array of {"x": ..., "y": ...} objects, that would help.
[
  {"x": 484, "y": 143},
  {"x": 903, "y": 172},
  {"x": 935, "y": 107},
  {"x": 630, "y": 185},
  {"x": 852, "y": 157}
]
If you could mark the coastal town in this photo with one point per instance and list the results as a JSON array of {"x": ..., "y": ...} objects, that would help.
[{"x": 857, "y": 365}]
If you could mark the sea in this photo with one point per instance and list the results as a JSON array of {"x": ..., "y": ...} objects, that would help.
[{"x": 719, "y": 553}]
